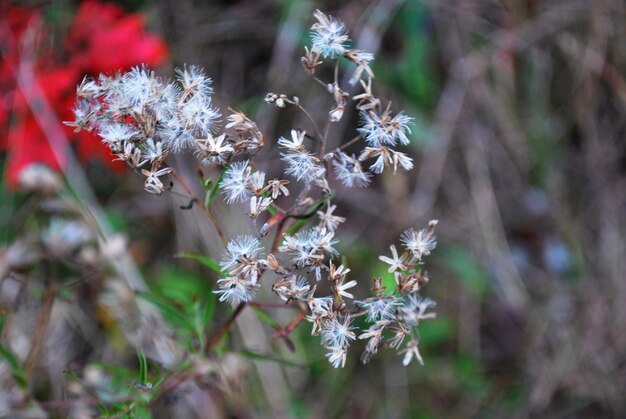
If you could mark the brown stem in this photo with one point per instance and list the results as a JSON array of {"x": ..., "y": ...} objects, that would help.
[
  {"x": 325, "y": 139},
  {"x": 197, "y": 200},
  {"x": 170, "y": 383},
  {"x": 349, "y": 143},
  {"x": 225, "y": 328},
  {"x": 41, "y": 329},
  {"x": 319, "y": 81},
  {"x": 279, "y": 234},
  {"x": 291, "y": 326},
  {"x": 308, "y": 115}
]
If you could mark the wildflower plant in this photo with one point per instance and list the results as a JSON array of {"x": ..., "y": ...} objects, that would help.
[{"x": 144, "y": 119}]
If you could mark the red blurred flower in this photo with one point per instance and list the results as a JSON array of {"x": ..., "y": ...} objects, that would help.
[{"x": 102, "y": 39}]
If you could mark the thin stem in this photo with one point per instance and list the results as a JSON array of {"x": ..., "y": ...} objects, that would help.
[
  {"x": 281, "y": 224},
  {"x": 308, "y": 115},
  {"x": 325, "y": 138},
  {"x": 349, "y": 143},
  {"x": 197, "y": 200},
  {"x": 357, "y": 314},
  {"x": 41, "y": 329},
  {"x": 327, "y": 129},
  {"x": 225, "y": 328},
  {"x": 170, "y": 383},
  {"x": 291, "y": 326},
  {"x": 319, "y": 81},
  {"x": 279, "y": 233}
]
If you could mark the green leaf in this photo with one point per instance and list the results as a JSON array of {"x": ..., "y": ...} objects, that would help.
[
  {"x": 205, "y": 260},
  {"x": 171, "y": 313},
  {"x": 272, "y": 210},
  {"x": 467, "y": 269},
  {"x": 143, "y": 369},
  {"x": 181, "y": 287},
  {"x": 266, "y": 318},
  {"x": 316, "y": 206},
  {"x": 118, "y": 372},
  {"x": 296, "y": 227},
  {"x": 204, "y": 181},
  {"x": 471, "y": 376},
  {"x": 436, "y": 331},
  {"x": 14, "y": 365},
  {"x": 141, "y": 411},
  {"x": 209, "y": 309},
  {"x": 216, "y": 189}
]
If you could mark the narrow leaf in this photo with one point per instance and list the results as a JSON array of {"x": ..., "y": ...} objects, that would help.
[
  {"x": 266, "y": 318},
  {"x": 14, "y": 364},
  {"x": 170, "y": 312},
  {"x": 205, "y": 260},
  {"x": 143, "y": 369}
]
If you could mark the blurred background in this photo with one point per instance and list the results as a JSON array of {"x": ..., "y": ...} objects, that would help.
[{"x": 518, "y": 142}]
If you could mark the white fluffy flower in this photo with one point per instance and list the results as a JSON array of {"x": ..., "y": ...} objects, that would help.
[
  {"x": 328, "y": 220},
  {"x": 414, "y": 309},
  {"x": 380, "y": 308},
  {"x": 348, "y": 170},
  {"x": 239, "y": 250},
  {"x": 328, "y": 35},
  {"x": 308, "y": 246},
  {"x": 234, "y": 184},
  {"x": 303, "y": 165},
  {"x": 411, "y": 351},
  {"x": 337, "y": 332},
  {"x": 419, "y": 243},
  {"x": 235, "y": 290},
  {"x": 116, "y": 132},
  {"x": 197, "y": 116},
  {"x": 296, "y": 142},
  {"x": 214, "y": 150},
  {"x": 193, "y": 80},
  {"x": 384, "y": 129}
]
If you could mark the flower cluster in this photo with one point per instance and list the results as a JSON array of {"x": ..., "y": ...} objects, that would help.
[
  {"x": 143, "y": 119},
  {"x": 242, "y": 263},
  {"x": 402, "y": 311},
  {"x": 380, "y": 129}
]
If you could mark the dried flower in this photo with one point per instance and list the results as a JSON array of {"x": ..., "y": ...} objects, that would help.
[
  {"x": 234, "y": 183},
  {"x": 240, "y": 250},
  {"x": 385, "y": 129},
  {"x": 213, "y": 150},
  {"x": 328, "y": 220},
  {"x": 348, "y": 170},
  {"x": 144, "y": 119},
  {"x": 294, "y": 287},
  {"x": 420, "y": 243},
  {"x": 328, "y": 35},
  {"x": 396, "y": 262}
]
